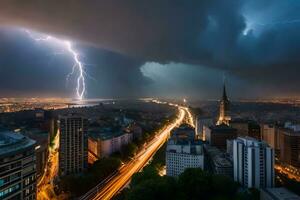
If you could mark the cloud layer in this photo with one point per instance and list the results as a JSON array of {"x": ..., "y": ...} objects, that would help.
[{"x": 255, "y": 42}]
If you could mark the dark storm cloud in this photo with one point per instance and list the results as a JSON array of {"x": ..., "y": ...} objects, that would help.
[
  {"x": 158, "y": 30},
  {"x": 30, "y": 68},
  {"x": 116, "y": 75},
  {"x": 26, "y": 69},
  {"x": 204, "y": 33}
]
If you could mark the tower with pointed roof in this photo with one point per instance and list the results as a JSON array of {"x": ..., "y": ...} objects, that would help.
[{"x": 224, "y": 116}]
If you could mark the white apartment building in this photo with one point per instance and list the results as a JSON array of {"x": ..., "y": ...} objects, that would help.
[
  {"x": 253, "y": 163},
  {"x": 181, "y": 155}
]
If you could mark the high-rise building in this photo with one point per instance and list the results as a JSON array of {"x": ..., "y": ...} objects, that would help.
[
  {"x": 73, "y": 144},
  {"x": 183, "y": 152},
  {"x": 270, "y": 134},
  {"x": 17, "y": 167},
  {"x": 289, "y": 146},
  {"x": 224, "y": 116},
  {"x": 253, "y": 163}
]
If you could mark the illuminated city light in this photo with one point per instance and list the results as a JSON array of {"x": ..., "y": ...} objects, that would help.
[{"x": 67, "y": 45}]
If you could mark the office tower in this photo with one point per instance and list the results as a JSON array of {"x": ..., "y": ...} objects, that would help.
[
  {"x": 73, "y": 149},
  {"x": 183, "y": 152},
  {"x": 17, "y": 167},
  {"x": 253, "y": 163},
  {"x": 224, "y": 116}
]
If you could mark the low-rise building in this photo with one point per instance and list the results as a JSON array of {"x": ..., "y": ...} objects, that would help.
[{"x": 103, "y": 142}]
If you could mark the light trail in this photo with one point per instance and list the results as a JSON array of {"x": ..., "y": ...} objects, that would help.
[
  {"x": 116, "y": 182},
  {"x": 45, "y": 184},
  {"x": 67, "y": 45}
]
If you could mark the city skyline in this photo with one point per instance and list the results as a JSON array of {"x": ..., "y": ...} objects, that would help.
[{"x": 142, "y": 100}]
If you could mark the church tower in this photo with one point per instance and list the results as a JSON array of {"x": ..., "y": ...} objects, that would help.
[{"x": 224, "y": 116}]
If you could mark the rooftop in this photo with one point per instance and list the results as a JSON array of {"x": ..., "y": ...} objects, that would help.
[
  {"x": 218, "y": 157},
  {"x": 281, "y": 193},
  {"x": 12, "y": 142},
  {"x": 250, "y": 141},
  {"x": 222, "y": 128},
  {"x": 105, "y": 133}
]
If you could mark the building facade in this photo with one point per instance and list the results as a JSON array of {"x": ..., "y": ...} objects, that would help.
[
  {"x": 73, "y": 144},
  {"x": 183, "y": 151},
  {"x": 253, "y": 163},
  {"x": 103, "y": 144},
  {"x": 219, "y": 162},
  {"x": 289, "y": 146},
  {"x": 17, "y": 167},
  {"x": 270, "y": 134},
  {"x": 181, "y": 155},
  {"x": 218, "y": 135}
]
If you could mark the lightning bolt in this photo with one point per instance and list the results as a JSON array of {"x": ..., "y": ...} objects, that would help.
[{"x": 67, "y": 45}]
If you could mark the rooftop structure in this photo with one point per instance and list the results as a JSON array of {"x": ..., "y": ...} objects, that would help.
[
  {"x": 11, "y": 142},
  {"x": 277, "y": 194},
  {"x": 253, "y": 162},
  {"x": 183, "y": 151}
]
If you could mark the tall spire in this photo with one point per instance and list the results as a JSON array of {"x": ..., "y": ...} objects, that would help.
[
  {"x": 224, "y": 93},
  {"x": 224, "y": 89}
]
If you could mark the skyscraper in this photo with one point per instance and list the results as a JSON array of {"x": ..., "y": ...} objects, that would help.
[
  {"x": 253, "y": 163},
  {"x": 73, "y": 149},
  {"x": 17, "y": 167},
  {"x": 224, "y": 116}
]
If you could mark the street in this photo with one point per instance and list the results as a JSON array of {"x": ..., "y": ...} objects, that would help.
[{"x": 114, "y": 184}]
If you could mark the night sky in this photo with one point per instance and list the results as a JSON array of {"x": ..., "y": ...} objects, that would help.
[{"x": 161, "y": 48}]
